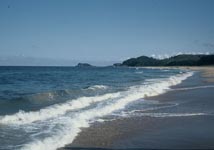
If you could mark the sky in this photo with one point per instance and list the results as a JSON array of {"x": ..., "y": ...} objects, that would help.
[{"x": 105, "y": 30}]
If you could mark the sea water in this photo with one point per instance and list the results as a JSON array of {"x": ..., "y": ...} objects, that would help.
[{"x": 46, "y": 107}]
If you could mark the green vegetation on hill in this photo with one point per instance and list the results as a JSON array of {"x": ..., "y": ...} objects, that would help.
[{"x": 179, "y": 60}]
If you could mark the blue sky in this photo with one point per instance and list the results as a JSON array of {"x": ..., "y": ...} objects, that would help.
[{"x": 105, "y": 30}]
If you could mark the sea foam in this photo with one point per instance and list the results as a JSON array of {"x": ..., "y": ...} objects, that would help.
[
  {"x": 23, "y": 117},
  {"x": 162, "y": 115},
  {"x": 95, "y": 87}
]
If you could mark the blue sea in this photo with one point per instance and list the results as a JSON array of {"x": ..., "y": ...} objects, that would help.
[{"x": 45, "y": 108}]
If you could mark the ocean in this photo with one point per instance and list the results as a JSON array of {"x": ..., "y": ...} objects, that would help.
[{"x": 45, "y": 108}]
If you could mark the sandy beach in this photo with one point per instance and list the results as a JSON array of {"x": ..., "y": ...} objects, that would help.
[
  {"x": 207, "y": 72},
  {"x": 190, "y": 128}
]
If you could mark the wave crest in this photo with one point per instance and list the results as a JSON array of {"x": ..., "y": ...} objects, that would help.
[
  {"x": 95, "y": 87},
  {"x": 23, "y": 117}
]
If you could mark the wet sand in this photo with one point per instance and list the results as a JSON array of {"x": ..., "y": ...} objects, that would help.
[
  {"x": 207, "y": 72},
  {"x": 144, "y": 132}
]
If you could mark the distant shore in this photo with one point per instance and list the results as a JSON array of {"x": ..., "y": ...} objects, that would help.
[{"x": 177, "y": 60}]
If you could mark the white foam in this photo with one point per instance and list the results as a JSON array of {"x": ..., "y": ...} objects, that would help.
[
  {"x": 163, "y": 115},
  {"x": 193, "y": 88},
  {"x": 95, "y": 87},
  {"x": 23, "y": 117},
  {"x": 71, "y": 126},
  {"x": 141, "y": 111}
]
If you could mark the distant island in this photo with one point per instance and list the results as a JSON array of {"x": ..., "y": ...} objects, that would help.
[
  {"x": 83, "y": 65},
  {"x": 179, "y": 60}
]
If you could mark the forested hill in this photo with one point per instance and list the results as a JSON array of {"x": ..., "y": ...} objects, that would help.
[{"x": 179, "y": 60}]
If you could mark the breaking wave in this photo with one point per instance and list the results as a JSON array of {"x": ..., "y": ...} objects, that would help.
[
  {"x": 23, "y": 117},
  {"x": 95, "y": 87}
]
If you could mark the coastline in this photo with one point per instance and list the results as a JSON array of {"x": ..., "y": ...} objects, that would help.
[
  {"x": 146, "y": 132},
  {"x": 207, "y": 72}
]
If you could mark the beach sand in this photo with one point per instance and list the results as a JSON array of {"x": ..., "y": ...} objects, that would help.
[
  {"x": 207, "y": 73},
  {"x": 185, "y": 132}
]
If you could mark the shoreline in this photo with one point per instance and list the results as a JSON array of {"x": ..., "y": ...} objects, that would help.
[
  {"x": 207, "y": 72},
  {"x": 145, "y": 131}
]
